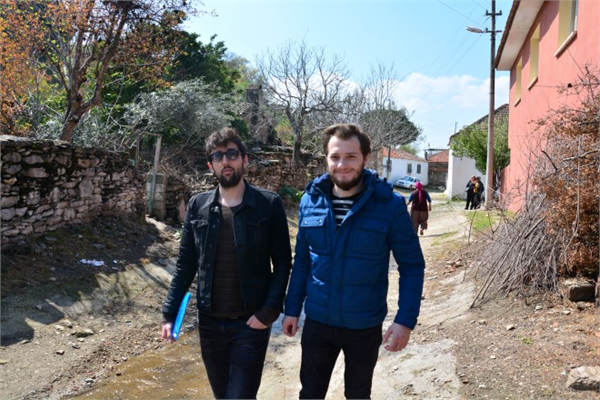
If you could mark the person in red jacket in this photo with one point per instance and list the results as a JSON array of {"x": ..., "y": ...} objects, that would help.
[{"x": 421, "y": 205}]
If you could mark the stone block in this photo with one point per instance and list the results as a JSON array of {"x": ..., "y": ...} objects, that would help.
[
  {"x": 584, "y": 378},
  {"x": 9, "y": 201},
  {"x": 578, "y": 289}
]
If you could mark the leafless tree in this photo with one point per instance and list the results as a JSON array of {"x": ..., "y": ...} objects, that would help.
[
  {"x": 304, "y": 84},
  {"x": 387, "y": 123}
]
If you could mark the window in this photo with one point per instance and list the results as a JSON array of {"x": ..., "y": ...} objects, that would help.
[
  {"x": 567, "y": 22},
  {"x": 418, "y": 168},
  {"x": 534, "y": 55},
  {"x": 409, "y": 168},
  {"x": 518, "y": 69}
]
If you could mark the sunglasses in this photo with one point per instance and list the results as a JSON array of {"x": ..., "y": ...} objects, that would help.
[{"x": 231, "y": 154}]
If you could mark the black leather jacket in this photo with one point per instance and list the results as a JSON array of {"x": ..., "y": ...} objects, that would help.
[{"x": 261, "y": 237}]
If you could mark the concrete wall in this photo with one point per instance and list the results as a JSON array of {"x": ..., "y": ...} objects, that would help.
[
  {"x": 537, "y": 97},
  {"x": 460, "y": 170},
  {"x": 400, "y": 167}
]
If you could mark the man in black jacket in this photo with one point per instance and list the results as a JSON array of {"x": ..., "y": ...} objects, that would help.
[
  {"x": 231, "y": 235},
  {"x": 478, "y": 196},
  {"x": 470, "y": 193}
]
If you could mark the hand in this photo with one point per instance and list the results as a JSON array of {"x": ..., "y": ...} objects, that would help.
[
  {"x": 429, "y": 206},
  {"x": 400, "y": 336},
  {"x": 255, "y": 323},
  {"x": 290, "y": 325},
  {"x": 167, "y": 329}
]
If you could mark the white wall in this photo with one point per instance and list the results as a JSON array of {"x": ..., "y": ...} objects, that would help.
[
  {"x": 460, "y": 170},
  {"x": 399, "y": 169}
]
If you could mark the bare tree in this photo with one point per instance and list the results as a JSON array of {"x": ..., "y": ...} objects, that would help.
[
  {"x": 373, "y": 106},
  {"x": 387, "y": 123},
  {"x": 301, "y": 82}
]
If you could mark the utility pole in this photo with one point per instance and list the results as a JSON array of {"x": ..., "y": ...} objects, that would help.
[
  {"x": 489, "y": 165},
  {"x": 388, "y": 165},
  {"x": 489, "y": 170}
]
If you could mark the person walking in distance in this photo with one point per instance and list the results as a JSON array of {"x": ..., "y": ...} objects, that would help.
[
  {"x": 230, "y": 237},
  {"x": 349, "y": 221},
  {"x": 421, "y": 206}
]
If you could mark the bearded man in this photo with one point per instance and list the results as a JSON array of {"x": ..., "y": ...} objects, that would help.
[
  {"x": 349, "y": 221},
  {"x": 236, "y": 239}
]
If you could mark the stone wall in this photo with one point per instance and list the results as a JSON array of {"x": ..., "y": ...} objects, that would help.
[
  {"x": 275, "y": 175},
  {"x": 272, "y": 171},
  {"x": 437, "y": 174},
  {"x": 47, "y": 184}
]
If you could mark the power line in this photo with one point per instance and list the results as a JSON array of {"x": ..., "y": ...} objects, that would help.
[
  {"x": 458, "y": 12},
  {"x": 465, "y": 53},
  {"x": 478, "y": 3},
  {"x": 454, "y": 50}
]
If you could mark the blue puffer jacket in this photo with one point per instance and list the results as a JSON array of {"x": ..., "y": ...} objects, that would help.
[{"x": 341, "y": 275}]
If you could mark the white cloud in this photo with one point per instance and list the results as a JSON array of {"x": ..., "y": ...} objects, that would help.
[
  {"x": 461, "y": 91},
  {"x": 441, "y": 103}
]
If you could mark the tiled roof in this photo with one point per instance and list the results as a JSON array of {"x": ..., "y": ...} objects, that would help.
[
  {"x": 401, "y": 154},
  {"x": 502, "y": 110},
  {"x": 441, "y": 157}
]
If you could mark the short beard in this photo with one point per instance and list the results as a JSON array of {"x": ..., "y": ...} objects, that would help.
[
  {"x": 350, "y": 184},
  {"x": 230, "y": 182}
]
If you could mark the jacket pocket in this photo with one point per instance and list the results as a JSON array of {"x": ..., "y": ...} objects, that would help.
[
  {"x": 200, "y": 227},
  {"x": 316, "y": 233},
  {"x": 258, "y": 233},
  {"x": 368, "y": 237}
]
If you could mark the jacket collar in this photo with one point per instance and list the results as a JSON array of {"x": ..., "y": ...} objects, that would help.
[
  {"x": 379, "y": 188},
  {"x": 248, "y": 200}
]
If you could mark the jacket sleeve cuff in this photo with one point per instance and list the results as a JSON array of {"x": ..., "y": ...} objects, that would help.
[
  {"x": 267, "y": 315},
  {"x": 168, "y": 318},
  {"x": 406, "y": 321}
]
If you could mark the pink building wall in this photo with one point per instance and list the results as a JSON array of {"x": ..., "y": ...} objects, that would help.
[{"x": 554, "y": 70}]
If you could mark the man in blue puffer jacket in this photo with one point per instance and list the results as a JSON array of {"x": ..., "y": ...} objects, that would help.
[{"x": 349, "y": 221}]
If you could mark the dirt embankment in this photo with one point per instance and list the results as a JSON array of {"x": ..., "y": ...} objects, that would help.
[
  {"x": 79, "y": 302},
  {"x": 68, "y": 326}
]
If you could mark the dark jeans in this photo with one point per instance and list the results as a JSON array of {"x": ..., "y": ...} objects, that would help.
[
  {"x": 233, "y": 354},
  {"x": 321, "y": 345}
]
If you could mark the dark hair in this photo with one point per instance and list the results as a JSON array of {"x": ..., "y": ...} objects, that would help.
[
  {"x": 345, "y": 132},
  {"x": 223, "y": 137}
]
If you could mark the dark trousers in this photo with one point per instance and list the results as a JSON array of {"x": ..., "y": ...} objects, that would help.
[
  {"x": 321, "y": 345},
  {"x": 470, "y": 201},
  {"x": 234, "y": 355},
  {"x": 475, "y": 202}
]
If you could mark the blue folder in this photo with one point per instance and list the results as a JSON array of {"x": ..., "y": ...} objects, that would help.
[{"x": 180, "y": 315}]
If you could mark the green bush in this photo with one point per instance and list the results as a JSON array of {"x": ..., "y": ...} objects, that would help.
[{"x": 290, "y": 193}]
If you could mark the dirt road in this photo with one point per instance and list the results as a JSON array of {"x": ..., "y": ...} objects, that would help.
[{"x": 74, "y": 329}]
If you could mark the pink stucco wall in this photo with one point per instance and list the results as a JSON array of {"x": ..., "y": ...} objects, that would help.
[{"x": 536, "y": 99}]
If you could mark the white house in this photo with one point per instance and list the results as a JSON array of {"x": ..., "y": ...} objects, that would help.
[
  {"x": 403, "y": 163},
  {"x": 460, "y": 170}
]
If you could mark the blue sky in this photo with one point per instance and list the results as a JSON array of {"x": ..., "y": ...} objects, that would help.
[{"x": 443, "y": 70}]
